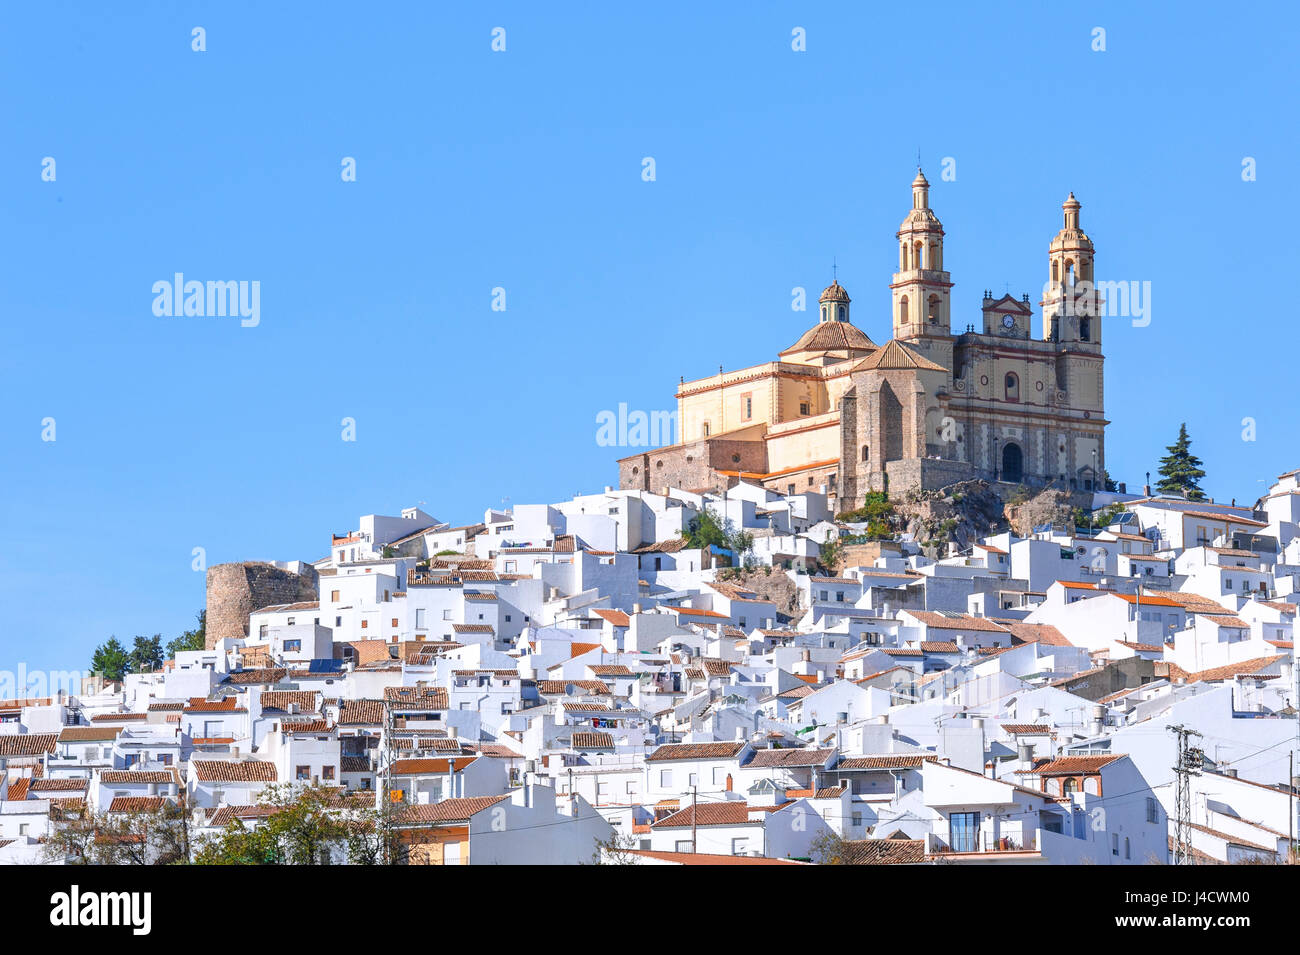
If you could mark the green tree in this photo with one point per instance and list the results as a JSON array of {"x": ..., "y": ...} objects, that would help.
[
  {"x": 876, "y": 512},
  {"x": 304, "y": 827},
  {"x": 146, "y": 654},
  {"x": 195, "y": 639},
  {"x": 830, "y": 554},
  {"x": 704, "y": 530},
  {"x": 110, "y": 660},
  {"x": 1180, "y": 470},
  {"x": 142, "y": 837}
]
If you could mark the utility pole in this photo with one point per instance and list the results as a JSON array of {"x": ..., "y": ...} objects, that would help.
[
  {"x": 693, "y": 811},
  {"x": 387, "y": 756},
  {"x": 1188, "y": 764}
]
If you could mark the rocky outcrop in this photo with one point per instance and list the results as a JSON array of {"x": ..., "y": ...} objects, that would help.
[
  {"x": 775, "y": 586},
  {"x": 1048, "y": 506},
  {"x": 959, "y": 513}
]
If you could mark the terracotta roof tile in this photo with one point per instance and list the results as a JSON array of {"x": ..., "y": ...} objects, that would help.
[
  {"x": 449, "y": 810},
  {"x": 695, "y": 751},
  {"x": 27, "y": 744},
  {"x": 234, "y": 771},
  {"x": 789, "y": 757}
]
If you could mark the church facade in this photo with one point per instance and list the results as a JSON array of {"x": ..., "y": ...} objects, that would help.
[{"x": 839, "y": 414}]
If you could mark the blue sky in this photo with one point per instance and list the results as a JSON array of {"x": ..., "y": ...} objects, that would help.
[{"x": 522, "y": 170}]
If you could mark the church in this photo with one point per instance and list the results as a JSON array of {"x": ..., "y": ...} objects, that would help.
[{"x": 838, "y": 414}]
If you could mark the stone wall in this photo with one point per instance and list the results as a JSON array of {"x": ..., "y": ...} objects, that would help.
[
  {"x": 236, "y": 590},
  {"x": 692, "y": 466},
  {"x": 927, "y": 474}
]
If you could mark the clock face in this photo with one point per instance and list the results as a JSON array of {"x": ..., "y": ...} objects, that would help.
[{"x": 1008, "y": 322}]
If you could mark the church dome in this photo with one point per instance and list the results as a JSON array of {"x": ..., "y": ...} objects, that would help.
[
  {"x": 835, "y": 293},
  {"x": 831, "y": 337}
]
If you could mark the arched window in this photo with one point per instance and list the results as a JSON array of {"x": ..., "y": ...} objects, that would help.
[
  {"x": 902, "y": 310},
  {"x": 1070, "y": 785},
  {"x": 866, "y": 453},
  {"x": 823, "y": 313},
  {"x": 932, "y": 310},
  {"x": 1012, "y": 384},
  {"x": 841, "y": 311},
  {"x": 920, "y": 256},
  {"x": 1069, "y": 272},
  {"x": 1085, "y": 329},
  {"x": 706, "y": 429},
  {"x": 1056, "y": 271}
]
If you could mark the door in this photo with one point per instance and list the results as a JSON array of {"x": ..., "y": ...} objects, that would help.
[{"x": 1013, "y": 464}]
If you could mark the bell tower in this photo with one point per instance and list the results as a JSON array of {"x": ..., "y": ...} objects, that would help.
[
  {"x": 1071, "y": 306},
  {"x": 920, "y": 288}
]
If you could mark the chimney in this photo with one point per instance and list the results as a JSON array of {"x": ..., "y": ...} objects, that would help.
[{"x": 728, "y": 782}]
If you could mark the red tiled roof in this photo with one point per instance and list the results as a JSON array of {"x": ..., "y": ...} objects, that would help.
[
  {"x": 449, "y": 810},
  {"x": 1074, "y": 765},
  {"x": 694, "y": 751},
  {"x": 88, "y": 734},
  {"x": 888, "y": 761},
  {"x": 305, "y": 700},
  {"x": 588, "y": 687},
  {"x": 789, "y": 757},
  {"x": 1226, "y": 672},
  {"x": 1027, "y": 729},
  {"x": 417, "y": 697},
  {"x": 138, "y": 776},
  {"x": 939, "y": 621},
  {"x": 227, "y": 704},
  {"x": 882, "y": 852},
  {"x": 59, "y": 785},
  {"x": 136, "y": 804},
  {"x": 27, "y": 744},
  {"x": 429, "y": 766},
  {"x": 232, "y": 771},
  {"x": 731, "y": 812}
]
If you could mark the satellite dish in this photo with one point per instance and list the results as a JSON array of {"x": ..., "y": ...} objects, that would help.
[{"x": 571, "y": 689}]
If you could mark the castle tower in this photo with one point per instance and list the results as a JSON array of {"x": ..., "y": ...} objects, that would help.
[{"x": 1071, "y": 307}]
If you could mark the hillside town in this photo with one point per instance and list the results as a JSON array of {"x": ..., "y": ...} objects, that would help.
[{"x": 735, "y": 676}]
